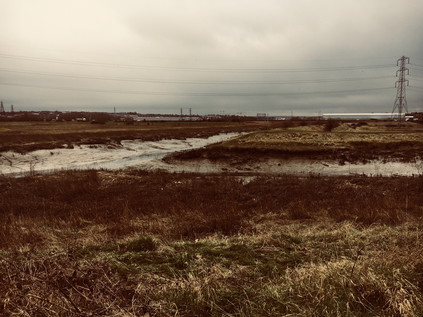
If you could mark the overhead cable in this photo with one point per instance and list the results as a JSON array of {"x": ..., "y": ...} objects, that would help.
[
  {"x": 205, "y": 94},
  {"x": 196, "y": 82},
  {"x": 199, "y": 69}
]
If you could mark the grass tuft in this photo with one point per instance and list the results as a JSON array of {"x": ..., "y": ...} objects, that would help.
[{"x": 141, "y": 244}]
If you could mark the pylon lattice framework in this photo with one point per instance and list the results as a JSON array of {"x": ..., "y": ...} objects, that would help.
[{"x": 400, "y": 84}]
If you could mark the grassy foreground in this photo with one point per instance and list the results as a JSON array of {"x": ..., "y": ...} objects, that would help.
[{"x": 156, "y": 244}]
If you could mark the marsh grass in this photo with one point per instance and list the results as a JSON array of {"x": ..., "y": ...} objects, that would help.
[
  {"x": 30, "y": 136},
  {"x": 346, "y": 142},
  {"x": 136, "y": 243}
]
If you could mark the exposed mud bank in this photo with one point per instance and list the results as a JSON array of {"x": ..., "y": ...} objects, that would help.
[
  {"x": 360, "y": 153},
  {"x": 130, "y": 153},
  {"x": 295, "y": 167},
  {"x": 210, "y": 155}
]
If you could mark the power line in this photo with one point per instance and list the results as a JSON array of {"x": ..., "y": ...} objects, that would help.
[
  {"x": 416, "y": 69},
  {"x": 189, "y": 82},
  {"x": 203, "y": 59},
  {"x": 416, "y": 90},
  {"x": 200, "y": 69},
  {"x": 204, "y": 94}
]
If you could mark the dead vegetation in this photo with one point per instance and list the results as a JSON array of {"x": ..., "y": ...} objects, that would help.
[
  {"x": 133, "y": 243},
  {"x": 158, "y": 244},
  {"x": 29, "y": 136},
  {"x": 347, "y": 142}
]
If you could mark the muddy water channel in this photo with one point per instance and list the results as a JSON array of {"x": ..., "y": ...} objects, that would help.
[
  {"x": 148, "y": 156},
  {"x": 302, "y": 168},
  {"x": 134, "y": 153}
]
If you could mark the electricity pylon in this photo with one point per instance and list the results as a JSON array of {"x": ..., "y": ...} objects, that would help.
[{"x": 400, "y": 84}]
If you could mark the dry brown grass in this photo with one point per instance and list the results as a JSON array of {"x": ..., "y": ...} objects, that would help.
[
  {"x": 353, "y": 142},
  {"x": 135, "y": 243},
  {"x": 196, "y": 205},
  {"x": 29, "y": 136},
  {"x": 56, "y": 284}
]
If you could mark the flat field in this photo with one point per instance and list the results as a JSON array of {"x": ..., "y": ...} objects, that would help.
[
  {"x": 29, "y": 136},
  {"x": 134, "y": 243},
  {"x": 352, "y": 142}
]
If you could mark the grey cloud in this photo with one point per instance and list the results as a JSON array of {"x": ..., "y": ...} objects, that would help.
[{"x": 205, "y": 41}]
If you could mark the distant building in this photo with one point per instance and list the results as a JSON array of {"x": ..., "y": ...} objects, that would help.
[{"x": 358, "y": 115}]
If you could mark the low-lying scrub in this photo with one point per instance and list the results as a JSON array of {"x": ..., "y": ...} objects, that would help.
[
  {"x": 159, "y": 244},
  {"x": 197, "y": 205}
]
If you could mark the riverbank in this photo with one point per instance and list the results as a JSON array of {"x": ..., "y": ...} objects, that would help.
[
  {"x": 373, "y": 148},
  {"x": 277, "y": 166}
]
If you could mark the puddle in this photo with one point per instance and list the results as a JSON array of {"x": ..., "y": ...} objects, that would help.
[{"x": 372, "y": 168}]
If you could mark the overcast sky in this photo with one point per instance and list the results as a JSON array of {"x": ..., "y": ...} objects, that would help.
[{"x": 214, "y": 56}]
